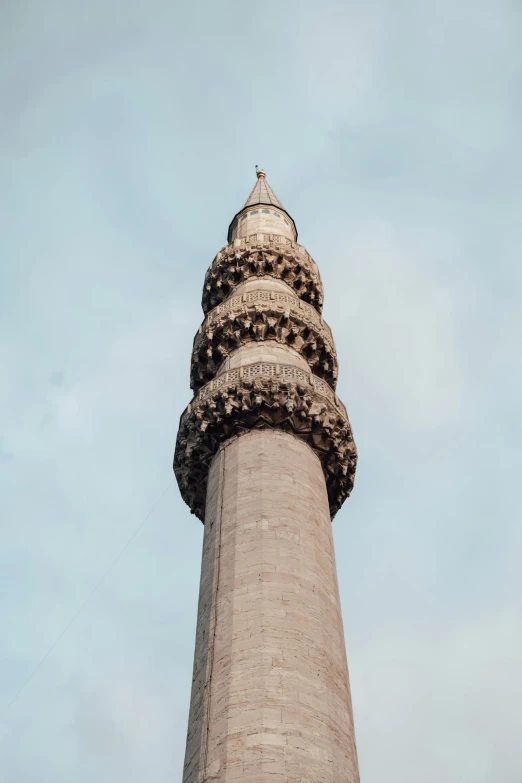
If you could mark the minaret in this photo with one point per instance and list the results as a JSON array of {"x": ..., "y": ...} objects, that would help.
[{"x": 265, "y": 457}]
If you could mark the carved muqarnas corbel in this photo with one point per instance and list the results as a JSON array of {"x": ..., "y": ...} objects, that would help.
[
  {"x": 263, "y": 403},
  {"x": 249, "y": 319},
  {"x": 234, "y": 265}
]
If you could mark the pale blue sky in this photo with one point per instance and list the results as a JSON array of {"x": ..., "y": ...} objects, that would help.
[{"x": 129, "y": 131}]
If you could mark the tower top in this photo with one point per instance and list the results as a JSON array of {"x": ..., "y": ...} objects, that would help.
[
  {"x": 267, "y": 221},
  {"x": 262, "y": 193}
]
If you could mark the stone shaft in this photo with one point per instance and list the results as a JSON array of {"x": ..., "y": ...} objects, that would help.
[
  {"x": 270, "y": 698},
  {"x": 265, "y": 457}
]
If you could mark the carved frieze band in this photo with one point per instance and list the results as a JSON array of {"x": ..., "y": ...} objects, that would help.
[
  {"x": 264, "y": 397},
  {"x": 262, "y": 254},
  {"x": 263, "y": 315},
  {"x": 287, "y": 373}
]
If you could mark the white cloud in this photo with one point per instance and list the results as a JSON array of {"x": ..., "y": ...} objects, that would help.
[
  {"x": 441, "y": 703},
  {"x": 140, "y": 372},
  {"x": 336, "y": 51},
  {"x": 398, "y": 335},
  {"x": 126, "y": 721}
]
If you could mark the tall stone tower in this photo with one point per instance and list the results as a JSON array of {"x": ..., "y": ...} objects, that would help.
[{"x": 265, "y": 457}]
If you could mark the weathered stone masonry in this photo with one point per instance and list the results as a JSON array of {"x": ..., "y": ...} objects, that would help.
[{"x": 265, "y": 457}]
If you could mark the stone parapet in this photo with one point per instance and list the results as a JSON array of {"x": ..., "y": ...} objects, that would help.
[
  {"x": 261, "y": 255},
  {"x": 263, "y": 315},
  {"x": 283, "y": 372},
  {"x": 257, "y": 396}
]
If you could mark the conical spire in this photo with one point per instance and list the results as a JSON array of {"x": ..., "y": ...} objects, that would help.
[
  {"x": 249, "y": 220},
  {"x": 262, "y": 193}
]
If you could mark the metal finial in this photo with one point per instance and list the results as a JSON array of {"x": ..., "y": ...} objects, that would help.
[{"x": 260, "y": 173}]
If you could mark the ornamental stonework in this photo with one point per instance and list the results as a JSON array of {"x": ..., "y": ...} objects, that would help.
[
  {"x": 254, "y": 395},
  {"x": 262, "y": 255},
  {"x": 265, "y": 395},
  {"x": 263, "y": 315}
]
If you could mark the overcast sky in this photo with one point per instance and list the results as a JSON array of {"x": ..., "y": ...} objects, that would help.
[{"x": 129, "y": 132}]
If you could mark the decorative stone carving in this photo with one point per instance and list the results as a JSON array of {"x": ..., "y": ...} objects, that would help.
[
  {"x": 259, "y": 396},
  {"x": 263, "y": 315},
  {"x": 283, "y": 372},
  {"x": 262, "y": 255}
]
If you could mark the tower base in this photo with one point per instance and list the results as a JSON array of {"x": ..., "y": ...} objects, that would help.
[{"x": 271, "y": 697}]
